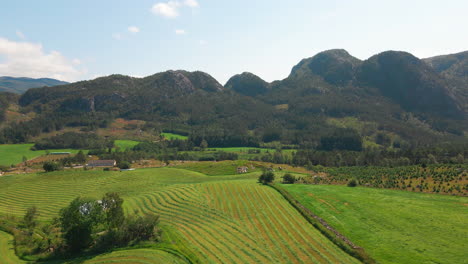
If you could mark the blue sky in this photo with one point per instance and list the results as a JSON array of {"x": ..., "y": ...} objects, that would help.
[{"x": 76, "y": 40}]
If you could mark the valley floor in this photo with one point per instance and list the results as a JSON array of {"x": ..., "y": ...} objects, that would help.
[
  {"x": 393, "y": 226},
  {"x": 206, "y": 219}
]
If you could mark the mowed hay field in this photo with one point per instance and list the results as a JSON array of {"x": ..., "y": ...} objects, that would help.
[
  {"x": 206, "y": 219},
  {"x": 393, "y": 226}
]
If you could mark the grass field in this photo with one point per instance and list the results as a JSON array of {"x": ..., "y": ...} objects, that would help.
[
  {"x": 7, "y": 252},
  {"x": 125, "y": 144},
  {"x": 393, "y": 226},
  {"x": 207, "y": 219},
  {"x": 170, "y": 136},
  {"x": 140, "y": 256},
  {"x": 13, "y": 154}
]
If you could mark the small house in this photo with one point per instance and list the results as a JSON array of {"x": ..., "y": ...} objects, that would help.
[
  {"x": 242, "y": 169},
  {"x": 101, "y": 163}
]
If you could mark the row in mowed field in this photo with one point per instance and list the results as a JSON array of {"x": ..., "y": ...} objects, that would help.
[
  {"x": 7, "y": 251},
  {"x": 13, "y": 154},
  {"x": 393, "y": 226},
  {"x": 208, "y": 219}
]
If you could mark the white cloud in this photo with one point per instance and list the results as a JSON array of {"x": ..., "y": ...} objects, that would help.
[
  {"x": 171, "y": 8},
  {"x": 25, "y": 59},
  {"x": 133, "y": 29},
  {"x": 191, "y": 3},
  {"x": 203, "y": 42},
  {"x": 180, "y": 32},
  {"x": 20, "y": 34}
]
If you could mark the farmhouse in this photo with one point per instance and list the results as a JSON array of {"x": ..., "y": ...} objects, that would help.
[
  {"x": 242, "y": 169},
  {"x": 101, "y": 163}
]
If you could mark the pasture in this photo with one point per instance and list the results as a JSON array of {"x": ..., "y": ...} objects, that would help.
[
  {"x": 205, "y": 219},
  {"x": 125, "y": 144},
  {"x": 7, "y": 251},
  {"x": 13, "y": 154},
  {"x": 172, "y": 136},
  {"x": 393, "y": 226}
]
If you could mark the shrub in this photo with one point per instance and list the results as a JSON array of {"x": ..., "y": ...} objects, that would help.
[
  {"x": 289, "y": 179},
  {"x": 266, "y": 177},
  {"x": 124, "y": 165},
  {"x": 51, "y": 166},
  {"x": 352, "y": 183}
]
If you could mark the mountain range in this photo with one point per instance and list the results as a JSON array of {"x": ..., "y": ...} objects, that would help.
[
  {"x": 22, "y": 84},
  {"x": 393, "y": 94}
]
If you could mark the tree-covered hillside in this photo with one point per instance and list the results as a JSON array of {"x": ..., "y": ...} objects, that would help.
[{"x": 391, "y": 100}]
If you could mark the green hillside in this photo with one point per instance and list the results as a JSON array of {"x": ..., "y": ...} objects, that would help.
[
  {"x": 407, "y": 98},
  {"x": 207, "y": 219},
  {"x": 393, "y": 226}
]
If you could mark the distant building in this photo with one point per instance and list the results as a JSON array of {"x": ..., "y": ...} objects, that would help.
[
  {"x": 242, "y": 169},
  {"x": 101, "y": 163}
]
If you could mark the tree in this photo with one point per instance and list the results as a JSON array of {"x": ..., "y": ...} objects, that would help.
[
  {"x": 77, "y": 222},
  {"x": 139, "y": 228},
  {"x": 50, "y": 166},
  {"x": 203, "y": 145},
  {"x": 112, "y": 206},
  {"x": 289, "y": 179},
  {"x": 30, "y": 218},
  {"x": 80, "y": 157},
  {"x": 266, "y": 177}
]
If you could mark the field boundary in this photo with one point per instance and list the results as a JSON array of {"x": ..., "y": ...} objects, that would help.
[{"x": 336, "y": 237}]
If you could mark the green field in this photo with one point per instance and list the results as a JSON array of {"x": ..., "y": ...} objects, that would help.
[
  {"x": 170, "y": 136},
  {"x": 393, "y": 226},
  {"x": 13, "y": 154},
  {"x": 140, "y": 256},
  {"x": 207, "y": 219},
  {"x": 7, "y": 252},
  {"x": 125, "y": 144}
]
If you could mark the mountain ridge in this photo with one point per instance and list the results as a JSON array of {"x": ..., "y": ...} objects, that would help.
[
  {"x": 21, "y": 84},
  {"x": 402, "y": 97}
]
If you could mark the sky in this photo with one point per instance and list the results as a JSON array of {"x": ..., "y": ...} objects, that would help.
[{"x": 85, "y": 39}]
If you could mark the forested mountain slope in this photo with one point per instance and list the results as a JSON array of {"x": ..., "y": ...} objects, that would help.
[{"x": 392, "y": 95}]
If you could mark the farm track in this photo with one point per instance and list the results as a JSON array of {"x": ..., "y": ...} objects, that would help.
[{"x": 216, "y": 219}]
